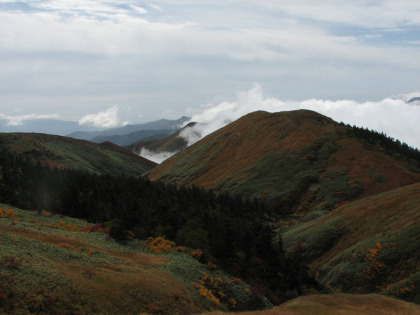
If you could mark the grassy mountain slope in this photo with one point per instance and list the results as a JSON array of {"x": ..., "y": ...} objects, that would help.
[
  {"x": 300, "y": 160},
  {"x": 54, "y": 264},
  {"x": 64, "y": 152},
  {"x": 369, "y": 245}
]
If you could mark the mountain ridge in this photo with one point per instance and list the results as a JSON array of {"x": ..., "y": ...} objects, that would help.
[
  {"x": 66, "y": 152},
  {"x": 291, "y": 158},
  {"x": 161, "y": 124}
]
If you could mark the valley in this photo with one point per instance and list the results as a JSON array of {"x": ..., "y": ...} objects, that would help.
[{"x": 293, "y": 212}]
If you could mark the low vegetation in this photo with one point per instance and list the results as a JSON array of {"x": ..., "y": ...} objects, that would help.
[
  {"x": 370, "y": 245},
  {"x": 48, "y": 269},
  {"x": 300, "y": 205},
  {"x": 230, "y": 232}
]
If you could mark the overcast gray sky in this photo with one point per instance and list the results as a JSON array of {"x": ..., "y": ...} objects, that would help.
[{"x": 127, "y": 61}]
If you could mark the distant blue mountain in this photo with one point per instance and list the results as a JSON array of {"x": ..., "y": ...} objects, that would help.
[
  {"x": 122, "y": 136},
  {"x": 165, "y": 125},
  {"x": 48, "y": 126},
  {"x": 414, "y": 100}
]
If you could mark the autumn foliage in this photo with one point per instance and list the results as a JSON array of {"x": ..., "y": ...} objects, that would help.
[
  {"x": 159, "y": 245},
  {"x": 9, "y": 214},
  {"x": 217, "y": 290}
]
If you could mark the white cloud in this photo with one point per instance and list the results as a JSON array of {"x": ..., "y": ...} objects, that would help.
[
  {"x": 99, "y": 27},
  {"x": 392, "y": 116},
  {"x": 155, "y": 157},
  {"x": 408, "y": 96},
  {"x": 297, "y": 49},
  {"x": 138, "y": 9},
  {"x": 18, "y": 120},
  {"x": 105, "y": 119},
  {"x": 372, "y": 14}
]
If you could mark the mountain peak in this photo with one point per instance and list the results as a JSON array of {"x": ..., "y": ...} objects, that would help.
[{"x": 297, "y": 159}]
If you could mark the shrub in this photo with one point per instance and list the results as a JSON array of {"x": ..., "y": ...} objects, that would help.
[
  {"x": 9, "y": 214},
  {"x": 198, "y": 253},
  {"x": 159, "y": 245}
]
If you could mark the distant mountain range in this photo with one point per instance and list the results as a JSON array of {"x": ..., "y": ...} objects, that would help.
[
  {"x": 122, "y": 136},
  {"x": 165, "y": 125},
  {"x": 172, "y": 143},
  {"x": 414, "y": 100},
  {"x": 48, "y": 126}
]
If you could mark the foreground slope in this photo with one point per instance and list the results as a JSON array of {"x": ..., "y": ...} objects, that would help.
[
  {"x": 300, "y": 160},
  {"x": 340, "y": 304},
  {"x": 370, "y": 245},
  {"x": 64, "y": 152},
  {"x": 51, "y": 264}
]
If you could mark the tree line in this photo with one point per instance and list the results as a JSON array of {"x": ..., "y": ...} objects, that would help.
[{"x": 391, "y": 145}]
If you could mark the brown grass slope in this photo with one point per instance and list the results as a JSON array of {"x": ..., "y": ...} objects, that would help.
[
  {"x": 300, "y": 159},
  {"x": 51, "y": 264},
  {"x": 369, "y": 245},
  {"x": 65, "y": 152},
  {"x": 340, "y": 304}
]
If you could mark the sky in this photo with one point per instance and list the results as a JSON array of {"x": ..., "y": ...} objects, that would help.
[{"x": 109, "y": 63}]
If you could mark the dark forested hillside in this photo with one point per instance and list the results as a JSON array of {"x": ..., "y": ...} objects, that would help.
[{"x": 233, "y": 233}]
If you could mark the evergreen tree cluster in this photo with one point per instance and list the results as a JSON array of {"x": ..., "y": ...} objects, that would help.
[
  {"x": 231, "y": 231},
  {"x": 391, "y": 145}
]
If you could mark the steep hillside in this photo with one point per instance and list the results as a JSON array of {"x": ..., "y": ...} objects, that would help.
[
  {"x": 64, "y": 152},
  {"x": 299, "y": 160},
  {"x": 51, "y": 264},
  {"x": 370, "y": 245}
]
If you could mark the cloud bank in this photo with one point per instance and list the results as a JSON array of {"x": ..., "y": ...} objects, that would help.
[
  {"x": 106, "y": 119},
  {"x": 19, "y": 120},
  {"x": 393, "y": 116},
  {"x": 145, "y": 56},
  {"x": 155, "y": 157}
]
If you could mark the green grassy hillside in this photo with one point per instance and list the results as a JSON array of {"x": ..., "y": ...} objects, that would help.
[
  {"x": 370, "y": 245},
  {"x": 64, "y": 152},
  {"x": 54, "y": 264},
  {"x": 301, "y": 161}
]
